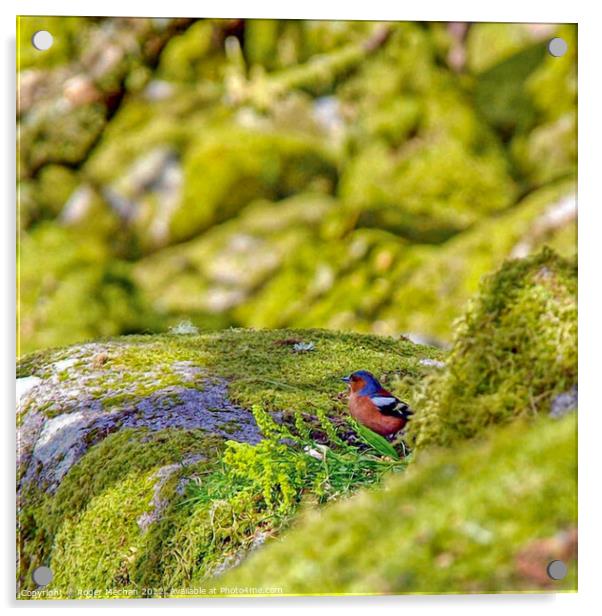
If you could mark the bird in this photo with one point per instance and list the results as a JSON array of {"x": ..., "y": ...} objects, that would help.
[{"x": 375, "y": 407}]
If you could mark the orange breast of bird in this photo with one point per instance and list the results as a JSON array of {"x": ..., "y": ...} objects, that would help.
[{"x": 367, "y": 413}]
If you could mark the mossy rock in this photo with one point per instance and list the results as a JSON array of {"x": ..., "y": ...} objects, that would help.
[
  {"x": 374, "y": 281},
  {"x": 513, "y": 351},
  {"x": 228, "y": 169},
  {"x": 490, "y": 44},
  {"x": 340, "y": 283},
  {"x": 54, "y": 136},
  {"x": 209, "y": 277},
  {"x": 110, "y": 433},
  {"x": 422, "y": 163},
  {"x": 428, "y": 194},
  {"x": 44, "y": 197},
  {"x": 220, "y": 167},
  {"x": 79, "y": 293},
  {"x": 549, "y": 151},
  {"x": 486, "y": 518},
  {"x": 431, "y": 292}
]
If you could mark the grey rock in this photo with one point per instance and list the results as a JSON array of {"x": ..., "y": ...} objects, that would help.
[
  {"x": 564, "y": 403},
  {"x": 158, "y": 504},
  {"x": 66, "y": 413}
]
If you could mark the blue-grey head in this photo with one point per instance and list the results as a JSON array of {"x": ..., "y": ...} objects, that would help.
[{"x": 363, "y": 382}]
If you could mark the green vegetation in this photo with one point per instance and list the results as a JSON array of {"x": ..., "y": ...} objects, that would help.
[
  {"x": 514, "y": 350},
  {"x": 80, "y": 292},
  {"x": 229, "y": 504},
  {"x": 455, "y": 521},
  {"x": 258, "y": 488},
  {"x": 235, "y": 167},
  {"x": 263, "y": 207},
  {"x": 121, "y": 466},
  {"x": 215, "y": 509},
  {"x": 356, "y": 176},
  {"x": 262, "y": 367},
  {"x": 303, "y": 390}
]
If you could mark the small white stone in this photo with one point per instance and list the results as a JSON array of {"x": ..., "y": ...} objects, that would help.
[
  {"x": 432, "y": 362},
  {"x": 184, "y": 328}
]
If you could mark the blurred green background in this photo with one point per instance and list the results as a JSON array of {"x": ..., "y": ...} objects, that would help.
[{"x": 259, "y": 173}]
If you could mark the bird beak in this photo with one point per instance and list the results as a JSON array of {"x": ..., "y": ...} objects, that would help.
[{"x": 346, "y": 379}]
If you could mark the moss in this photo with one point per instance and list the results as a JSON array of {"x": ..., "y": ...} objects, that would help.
[
  {"x": 500, "y": 93},
  {"x": 550, "y": 150},
  {"x": 255, "y": 493},
  {"x": 490, "y": 44},
  {"x": 393, "y": 192},
  {"x": 434, "y": 171},
  {"x": 513, "y": 350},
  {"x": 216, "y": 272},
  {"x": 120, "y": 466},
  {"x": 81, "y": 293},
  {"x": 370, "y": 280},
  {"x": 137, "y": 128},
  {"x": 45, "y": 196},
  {"x": 53, "y": 136},
  {"x": 261, "y": 366},
  {"x": 87, "y": 557},
  {"x": 229, "y": 168},
  {"x": 435, "y": 284},
  {"x": 522, "y": 488},
  {"x": 344, "y": 288},
  {"x": 262, "y": 370}
]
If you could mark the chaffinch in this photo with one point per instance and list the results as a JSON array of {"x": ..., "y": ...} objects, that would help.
[{"x": 375, "y": 407}]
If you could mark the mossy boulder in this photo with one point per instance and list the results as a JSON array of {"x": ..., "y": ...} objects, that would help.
[
  {"x": 112, "y": 431},
  {"x": 432, "y": 290},
  {"x": 52, "y": 136},
  {"x": 409, "y": 193},
  {"x": 549, "y": 151},
  {"x": 486, "y": 518},
  {"x": 422, "y": 163},
  {"x": 176, "y": 172},
  {"x": 229, "y": 168},
  {"x": 296, "y": 262},
  {"x": 514, "y": 350},
  {"x": 70, "y": 289},
  {"x": 209, "y": 277}
]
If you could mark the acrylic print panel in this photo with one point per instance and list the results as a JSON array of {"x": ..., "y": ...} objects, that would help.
[{"x": 297, "y": 307}]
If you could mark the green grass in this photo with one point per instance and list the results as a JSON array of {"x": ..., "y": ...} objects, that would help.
[
  {"x": 257, "y": 490},
  {"x": 457, "y": 521}
]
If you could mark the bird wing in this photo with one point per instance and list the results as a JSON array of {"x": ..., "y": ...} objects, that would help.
[{"x": 388, "y": 404}]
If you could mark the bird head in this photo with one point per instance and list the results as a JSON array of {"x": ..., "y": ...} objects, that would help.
[{"x": 362, "y": 380}]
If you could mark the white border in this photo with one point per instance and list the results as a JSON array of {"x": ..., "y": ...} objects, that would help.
[{"x": 590, "y": 202}]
